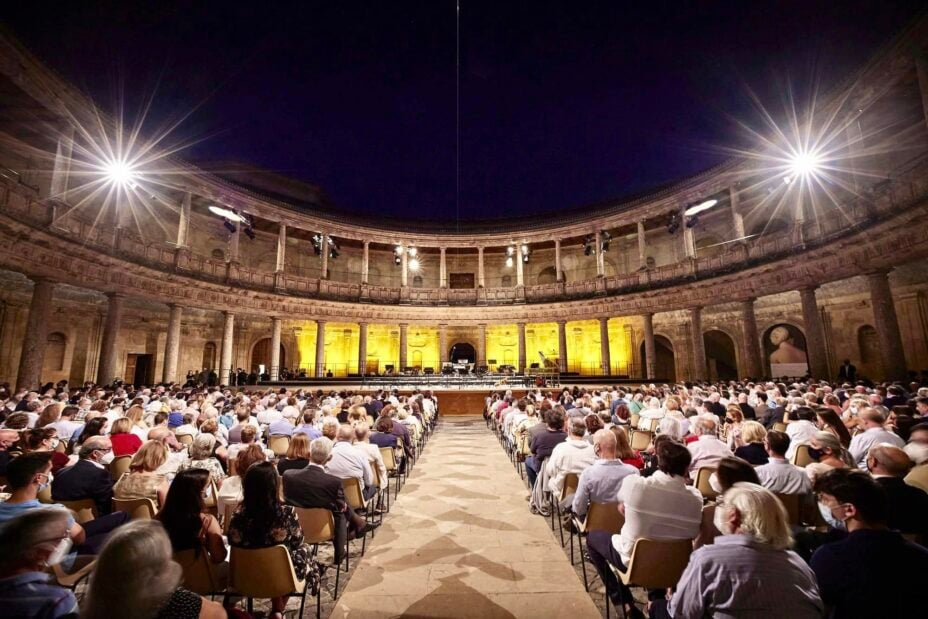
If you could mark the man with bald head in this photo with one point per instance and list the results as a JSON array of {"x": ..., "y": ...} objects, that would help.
[
  {"x": 907, "y": 506},
  {"x": 601, "y": 482},
  {"x": 350, "y": 462},
  {"x": 871, "y": 420},
  {"x": 88, "y": 478}
]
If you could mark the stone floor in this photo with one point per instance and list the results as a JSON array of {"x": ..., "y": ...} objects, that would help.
[{"x": 460, "y": 542}]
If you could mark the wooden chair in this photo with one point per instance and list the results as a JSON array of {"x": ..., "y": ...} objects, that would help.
[
  {"x": 568, "y": 487},
  {"x": 265, "y": 573},
  {"x": 779, "y": 427},
  {"x": 381, "y": 489},
  {"x": 633, "y": 420},
  {"x": 599, "y": 517},
  {"x": 791, "y": 503},
  {"x": 318, "y": 528},
  {"x": 279, "y": 444},
  {"x": 702, "y": 482},
  {"x": 45, "y": 495},
  {"x": 389, "y": 462},
  {"x": 654, "y": 564},
  {"x": 918, "y": 477},
  {"x": 201, "y": 575},
  {"x": 83, "y": 510},
  {"x": 801, "y": 456},
  {"x": 119, "y": 467},
  {"x": 640, "y": 440},
  {"x": 227, "y": 512},
  {"x": 70, "y": 580},
  {"x": 355, "y": 499},
  {"x": 138, "y": 509}
]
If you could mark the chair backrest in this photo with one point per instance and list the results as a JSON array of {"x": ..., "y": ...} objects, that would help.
[
  {"x": 263, "y": 572},
  {"x": 45, "y": 495},
  {"x": 62, "y": 446},
  {"x": 120, "y": 466},
  {"x": 389, "y": 461},
  {"x": 353, "y": 493},
  {"x": 658, "y": 564},
  {"x": 279, "y": 444},
  {"x": 791, "y": 503},
  {"x": 571, "y": 481},
  {"x": 83, "y": 510},
  {"x": 138, "y": 509},
  {"x": 918, "y": 477},
  {"x": 212, "y": 500},
  {"x": 801, "y": 456},
  {"x": 640, "y": 440},
  {"x": 185, "y": 439},
  {"x": 318, "y": 524},
  {"x": 227, "y": 511},
  {"x": 779, "y": 427},
  {"x": 375, "y": 470},
  {"x": 633, "y": 420},
  {"x": 199, "y": 575},
  {"x": 370, "y": 421},
  {"x": 604, "y": 517},
  {"x": 702, "y": 482}
]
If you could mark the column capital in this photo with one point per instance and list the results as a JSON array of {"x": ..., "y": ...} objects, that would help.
[
  {"x": 320, "y": 321},
  {"x": 604, "y": 319},
  {"x": 276, "y": 319},
  {"x": 521, "y": 325},
  {"x": 561, "y": 323},
  {"x": 750, "y": 300},
  {"x": 115, "y": 295},
  {"x": 884, "y": 272},
  {"x": 404, "y": 325},
  {"x": 482, "y": 325},
  {"x": 443, "y": 325},
  {"x": 174, "y": 305},
  {"x": 363, "y": 324},
  {"x": 808, "y": 289}
]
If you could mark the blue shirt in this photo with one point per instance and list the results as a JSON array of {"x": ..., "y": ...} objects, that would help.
[
  {"x": 309, "y": 430},
  {"x": 281, "y": 427},
  {"x": 8, "y": 510},
  {"x": 32, "y": 595},
  {"x": 600, "y": 483}
]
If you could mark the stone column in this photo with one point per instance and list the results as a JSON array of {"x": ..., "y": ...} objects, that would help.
[
  {"x": 558, "y": 271},
  {"x": 521, "y": 326},
  {"x": 520, "y": 272},
  {"x": 281, "y": 248},
  {"x": 362, "y": 348},
  {"x": 366, "y": 262},
  {"x": 815, "y": 333},
  {"x": 481, "y": 282},
  {"x": 274, "y": 370},
  {"x": 403, "y": 346},
  {"x": 172, "y": 344},
  {"x": 234, "y": 243},
  {"x": 892, "y": 353},
  {"x": 442, "y": 270},
  {"x": 35, "y": 338},
  {"x": 443, "y": 344},
  {"x": 481, "y": 344},
  {"x": 62, "y": 165},
  {"x": 108, "y": 348},
  {"x": 183, "y": 222},
  {"x": 404, "y": 266},
  {"x": 320, "y": 349},
  {"x": 562, "y": 344},
  {"x": 642, "y": 248},
  {"x": 600, "y": 256},
  {"x": 753, "y": 368},
  {"x": 650, "y": 350},
  {"x": 228, "y": 341},
  {"x": 698, "y": 344},
  {"x": 689, "y": 238},
  {"x": 737, "y": 220},
  {"x": 324, "y": 268},
  {"x": 605, "y": 358}
]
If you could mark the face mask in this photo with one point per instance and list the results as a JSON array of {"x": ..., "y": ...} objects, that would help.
[
  {"x": 718, "y": 519},
  {"x": 107, "y": 458},
  {"x": 815, "y": 454},
  {"x": 829, "y": 517},
  {"x": 54, "y": 443},
  {"x": 59, "y": 553},
  {"x": 48, "y": 482},
  {"x": 208, "y": 492}
]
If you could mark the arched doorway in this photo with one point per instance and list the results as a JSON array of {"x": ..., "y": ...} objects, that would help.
[
  {"x": 720, "y": 355},
  {"x": 261, "y": 354},
  {"x": 209, "y": 355},
  {"x": 868, "y": 342},
  {"x": 547, "y": 275},
  {"x": 665, "y": 363},
  {"x": 462, "y": 351}
]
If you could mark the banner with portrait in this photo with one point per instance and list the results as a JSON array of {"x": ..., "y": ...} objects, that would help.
[{"x": 785, "y": 347}]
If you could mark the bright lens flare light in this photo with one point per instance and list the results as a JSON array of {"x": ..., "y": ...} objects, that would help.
[
  {"x": 120, "y": 173},
  {"x": 414, "y": 264},
  {"x": 805, "y": 164}
]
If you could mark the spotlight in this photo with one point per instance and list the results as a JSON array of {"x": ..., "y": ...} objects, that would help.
[
  {"x": 414, "y": 264},
  {"x": 606, "y": 238},
  {"x": 413, "y": 252},
  {"x": 699, "y": 208},
  {"x": 397, "y": 260},
  {"x": 588, "y": 245},
  {"x": 525, "y": 258},
  {"x": 227, "y": 213},
  {"x": 229, "y": 226},
  {"x": 692, "y": 222},
  {"x": 120, "y": 172},
  {"x": 805, "y": 163},
  {"x": 673, "y": 222},
  {"x": 509, "y": 262},
  {"x": 317, "y": 244},
  {"x": 525, "y": 250},
  {"x": 249, "y": 232},
  {"x": 510, "y": 250},
  {"x": 399, "y": 250}
]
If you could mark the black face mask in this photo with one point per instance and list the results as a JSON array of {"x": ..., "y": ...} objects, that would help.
[{"x": 815, "y": 454}]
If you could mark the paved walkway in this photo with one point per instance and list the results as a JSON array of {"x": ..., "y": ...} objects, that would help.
[{"x": 460, "y": 542}]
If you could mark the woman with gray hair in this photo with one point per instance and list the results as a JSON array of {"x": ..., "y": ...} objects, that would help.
[
  {"x": 201, "y": 457},
  {"x": 136, "y": 577},
  {"x": 828, "y": 453}
]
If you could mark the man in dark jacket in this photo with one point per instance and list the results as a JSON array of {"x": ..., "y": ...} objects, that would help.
[{"x": 88, "y": 478}]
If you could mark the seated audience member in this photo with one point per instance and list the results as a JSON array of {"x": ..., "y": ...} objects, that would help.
[
  {"x": 31, "y": 543},
  {"x": 143, "y": 481},
  {"x": 44, "y": 440},
  {"x": 827, "y": 452},
  {"x": 308, "y": 426},
  {"x": 543, "y": 443},
  {"x": 313, "y": 487},
  {"x": 175, "y": 450},
  {"x": 184, "y": 517},
  {"x": 829, "y": 421},
  {"x": 707, "y": 450},
  {"x": 230, "y": 494},
  {"x": 362, "y": 442},
  {"x": 135, "y": 576},
  {"x": 906, "y": 506},
  {"x": 800, "y": 431},
  {"x": 871, "y": 422},
  {"x": 262, "y": 521},
  {"x": 188, "y": 428},
  {"x": 624, "y": 451},
  {"x": 852, "y": 572},
  {"x": 348, "y": 462},
  {"x": 249, "y": 437},
  {"x": 244, "y": 419},
  {"x": 752, "y": 443},
  {"x": 729, "y": 472},
  {"x": 125, "y": 443},
  {"x": 659, "y": 507},
  {"x": 280, "y": 427},
  {"x": 383, "y": 435},
  {"x": 721, "y": 579},
  {"x": 601, "y": 482},
  {"x": 8, "y": 438},
  {"x": 201, "y": 457},
  {"x": 573, "y": 455},
  {"x": 88, "y": 478},
  {"x": 297, "y": 454},
  {"x": 31, "y": 473},
  {"x": 734, "y": 419},
  {"x": 66, "y": 423},
  {"x": 778, "y": 475},
  {"x": 93, "y": 427}
]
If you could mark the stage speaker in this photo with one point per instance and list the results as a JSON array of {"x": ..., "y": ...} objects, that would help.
[
  {"x": 388, "y": 368},
  {"x": 429, "y": 371},
  {"x": 491, "y": 361}
]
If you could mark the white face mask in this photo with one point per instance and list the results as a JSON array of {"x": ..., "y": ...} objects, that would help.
[
  {"x": 48, "y": 481},
  {"x": 107, "y": 457},
  {"x": 54, "y": 443},
  {"x": 208, "y": 492},
  {"x": 718, "y": 519},
  {"x": 829, "y": 517},
  {"x": 59, "y": 553}
]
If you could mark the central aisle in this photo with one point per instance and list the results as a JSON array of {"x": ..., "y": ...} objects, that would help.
[{"x": 460, "y": 542}]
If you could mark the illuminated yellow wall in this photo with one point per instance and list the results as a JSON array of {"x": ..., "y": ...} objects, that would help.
[
  {"x": 583, "y": 347},
  {"x": 503, "y": 345},
  {"x": 620, "y": 347},
  {"x": 383, "y": 347},
  {"x": 541, "y": 337},
  {"x": 341, "y": 348},
  {"x": 422, "y": 348},
  {"x": 306, "y": 346}
]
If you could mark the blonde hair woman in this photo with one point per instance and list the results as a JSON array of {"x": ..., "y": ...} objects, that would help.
[
  {"x": 143, "y": 481},
  {"x": 125, "y": 443},
  {"x": 136, "y": 577},
  {"x": 827, "y": 452},
  {"x": 752, "y": 443},
  {"x": 136, "y": 415},
  {"x": 733, "y": 420}
]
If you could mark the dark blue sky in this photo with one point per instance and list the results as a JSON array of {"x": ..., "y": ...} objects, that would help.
[{"x": 562, "y": 103}]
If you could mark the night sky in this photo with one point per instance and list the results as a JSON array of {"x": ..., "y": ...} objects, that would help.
[{"x": 562, "y": 104}]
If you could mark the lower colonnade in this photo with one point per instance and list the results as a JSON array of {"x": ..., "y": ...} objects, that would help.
[{"x": 461, "y": 542}]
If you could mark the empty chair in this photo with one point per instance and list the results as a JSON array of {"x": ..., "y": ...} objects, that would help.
[
  {"x": 185, "y": 439},
  {"x": 801, "y": 456},
  {"x": 640, "y": 440},
  {"x": 279, "y": 444}
]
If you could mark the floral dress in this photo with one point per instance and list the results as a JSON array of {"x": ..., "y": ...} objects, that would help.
[{"x": 285, "y": 529}]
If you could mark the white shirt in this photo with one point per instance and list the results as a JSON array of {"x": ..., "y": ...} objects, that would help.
[
  {"x": 572, "y": 456},
  {"x": 374, "y": 458},
  {"x": 862, "y": 443},
  {"x": 659, "y": 507},
  {"x": 781, "y": 477},
  {"x": 348, "y": 462},
  {"x": 707, "y": 452},
  {"x": 800, "y": 433},
  {"x": 269, "y": 416}
]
